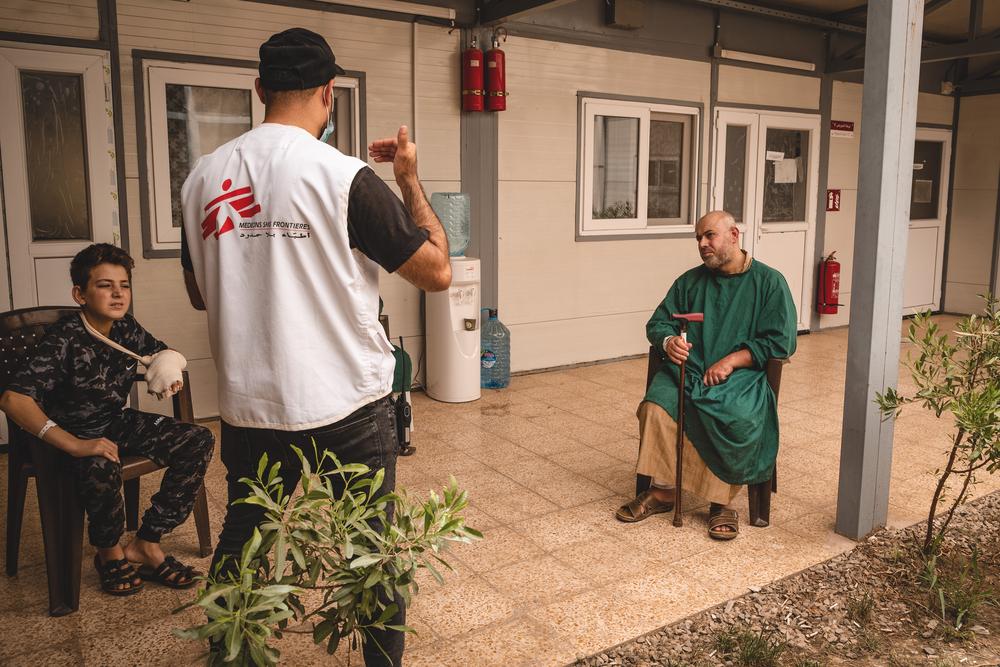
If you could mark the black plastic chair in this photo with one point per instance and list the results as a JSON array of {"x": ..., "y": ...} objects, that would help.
[
  {"x": 759, "y": 495},
  {"x": 58, "y": 501}
]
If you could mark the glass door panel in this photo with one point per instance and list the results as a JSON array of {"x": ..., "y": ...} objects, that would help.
[
  {"x": 55, "y": 148},
  {"x": 785, "y": 179},
  {"x": 734, "y": 192}
]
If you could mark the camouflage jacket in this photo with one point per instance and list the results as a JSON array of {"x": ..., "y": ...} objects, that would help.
[{"x": 78, "y": 381}]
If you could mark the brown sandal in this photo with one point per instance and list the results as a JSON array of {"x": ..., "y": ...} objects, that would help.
[
  {"x": 720, "y": 517},
  {"x": 642, "y": 506}
]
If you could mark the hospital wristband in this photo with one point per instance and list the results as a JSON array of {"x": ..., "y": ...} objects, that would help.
[{"x": 49, "y": 425}]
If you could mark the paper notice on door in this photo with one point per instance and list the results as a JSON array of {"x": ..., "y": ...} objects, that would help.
[
  {"x": 786, "y": 171},
  {"x": 774, "y": 156},
  {"x": 923, "y": 191}
]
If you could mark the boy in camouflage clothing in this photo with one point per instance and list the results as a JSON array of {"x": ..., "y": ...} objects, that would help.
[{"x": 71, "y": 393}]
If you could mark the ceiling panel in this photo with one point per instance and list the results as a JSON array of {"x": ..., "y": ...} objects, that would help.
[
  {"x": 950, "y": 21},
  {"x": 819, "y": 7}
]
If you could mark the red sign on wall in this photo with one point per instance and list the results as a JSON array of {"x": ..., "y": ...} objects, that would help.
[
  {"x": 842, "y": 128},
  {"x": 833, "y": 200}
]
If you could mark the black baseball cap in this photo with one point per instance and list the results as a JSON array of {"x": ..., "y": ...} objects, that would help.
[{"x": 296, "y": 59}]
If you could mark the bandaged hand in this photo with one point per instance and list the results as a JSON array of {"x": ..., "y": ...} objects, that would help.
[{"x": 164, "y": 373}]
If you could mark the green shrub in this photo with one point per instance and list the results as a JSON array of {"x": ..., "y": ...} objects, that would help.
[
  {"x": 960, "y": 378},
  {"x": 337, "y": 544}
]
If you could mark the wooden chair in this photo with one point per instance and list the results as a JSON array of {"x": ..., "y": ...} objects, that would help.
[
  {"x": 58, "y": 502},
  {"x": 759, "y": 495}
]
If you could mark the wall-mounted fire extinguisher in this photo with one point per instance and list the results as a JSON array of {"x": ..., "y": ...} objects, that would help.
[
  {"x": 472, "y": 78},
  {"x": 828, "y": 294},
  {"x": 496, "y": 75}
]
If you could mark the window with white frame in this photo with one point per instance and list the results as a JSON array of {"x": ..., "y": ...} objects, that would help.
[
  {"x": 638, "y": 167},
  {"x": 192, "y": 109}
]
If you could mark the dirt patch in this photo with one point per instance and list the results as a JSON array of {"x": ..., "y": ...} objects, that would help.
[{"x": 867, "y": 607}]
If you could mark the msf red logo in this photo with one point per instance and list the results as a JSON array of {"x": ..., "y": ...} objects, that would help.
[{"x": 227, "y": 207}]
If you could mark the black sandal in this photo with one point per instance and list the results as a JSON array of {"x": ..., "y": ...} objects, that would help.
[
  {"x": 170, "y": 573},
  {"x": 114, "y": 574}
]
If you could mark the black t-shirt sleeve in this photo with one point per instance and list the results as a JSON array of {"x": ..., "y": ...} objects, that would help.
[
  {"x": 378, "y": 224},
  {"x": 45, "y": 369},
  {"x": 185, "y": 253}
]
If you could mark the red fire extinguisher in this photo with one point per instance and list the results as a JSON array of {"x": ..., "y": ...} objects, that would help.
[
  {"x": 472, "y": 78},
  {"x": 828, "y": 294},
  {"x": 496, "y": 75}
]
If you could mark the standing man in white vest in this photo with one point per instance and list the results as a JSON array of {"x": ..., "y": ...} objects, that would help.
[{"x": 282, "y": 239}]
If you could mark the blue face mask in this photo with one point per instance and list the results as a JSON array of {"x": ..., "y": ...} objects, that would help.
[{"x": 328, "y": 130}]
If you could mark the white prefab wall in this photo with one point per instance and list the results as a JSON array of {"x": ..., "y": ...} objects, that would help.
[
  {"x": 567, "y": 301},
  {"x": 843, "y": 176},
  {"x": 57, "y": 18},
  {"x": 233, "y": 29},
  {"x": 974, "y": 204}
]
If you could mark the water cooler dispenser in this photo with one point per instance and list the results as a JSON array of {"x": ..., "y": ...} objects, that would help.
[{"x": 452, "y": 316}]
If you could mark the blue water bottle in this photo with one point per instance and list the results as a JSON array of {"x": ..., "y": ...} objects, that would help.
[{"x": 494, "y": 352}]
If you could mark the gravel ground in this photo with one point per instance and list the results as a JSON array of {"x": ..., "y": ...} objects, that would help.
[{"x": 864, "y": 607}]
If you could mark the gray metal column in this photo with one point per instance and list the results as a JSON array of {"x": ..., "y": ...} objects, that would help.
[
  {"x": 888, "y": 127},
  {"x": 480, "y": 174}
]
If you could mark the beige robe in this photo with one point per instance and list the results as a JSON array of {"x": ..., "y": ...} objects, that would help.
[{"x": 658, "y": 458}]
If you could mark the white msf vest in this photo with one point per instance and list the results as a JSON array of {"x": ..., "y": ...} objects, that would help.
[{"x": 292, "y": 310}]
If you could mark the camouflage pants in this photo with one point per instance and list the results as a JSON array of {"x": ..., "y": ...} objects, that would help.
[{"x": 184, "y": 449}]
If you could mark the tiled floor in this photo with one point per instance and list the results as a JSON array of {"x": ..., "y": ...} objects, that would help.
[{"x": 546, "y": 463}]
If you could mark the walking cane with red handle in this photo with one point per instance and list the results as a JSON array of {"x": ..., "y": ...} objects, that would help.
[{"x": 684, "y": 318}]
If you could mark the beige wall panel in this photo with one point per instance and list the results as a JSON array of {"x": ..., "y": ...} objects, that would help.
[
  {"x": 937, "y": 109},
  {"x": 978, "y": 158},
  {"x": 840, "y": 236},
  {"x": 846, "y": 105},
  {"x": 60, "y": 18},
  {"x": 545, "y": 275},
  {"x": 963, "y": 298},
  {"x": 970, "y": 250},
  {"x": 235, "y": 29},
  {"x": 564, "y": 342},
  {"x": 595, "y": 295},
  {"x": 438, "y": 111},
  {"x": 974, "y": 204},
  {"x": 538, "y": 132},
  {"x": 777, "y": 89},
  {"x": 843, "y": 175}
]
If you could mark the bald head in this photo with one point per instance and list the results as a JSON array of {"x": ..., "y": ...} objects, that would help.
[
  {"x": 714, "y": 218},
  {"x": 719, "y": 241}
]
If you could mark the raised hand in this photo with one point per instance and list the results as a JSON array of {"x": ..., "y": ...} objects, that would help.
[{"x": 400, "y": 151}]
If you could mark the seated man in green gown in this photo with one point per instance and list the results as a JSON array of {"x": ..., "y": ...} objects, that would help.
[{"x": 730, "y": 415}]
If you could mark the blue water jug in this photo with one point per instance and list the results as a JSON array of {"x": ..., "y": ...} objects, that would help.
[
  {"x": 454, "y": 211},
  {"x": 494, "y": 352}
]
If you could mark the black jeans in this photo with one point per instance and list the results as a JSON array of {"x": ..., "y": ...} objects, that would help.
[{"x": 367, "y": 436}]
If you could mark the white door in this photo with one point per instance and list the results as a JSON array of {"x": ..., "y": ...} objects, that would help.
[
  {"x": 928, "y": 212},
  {"x": 766, "y": 169},
  {"x": 58, "y": 171}
]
